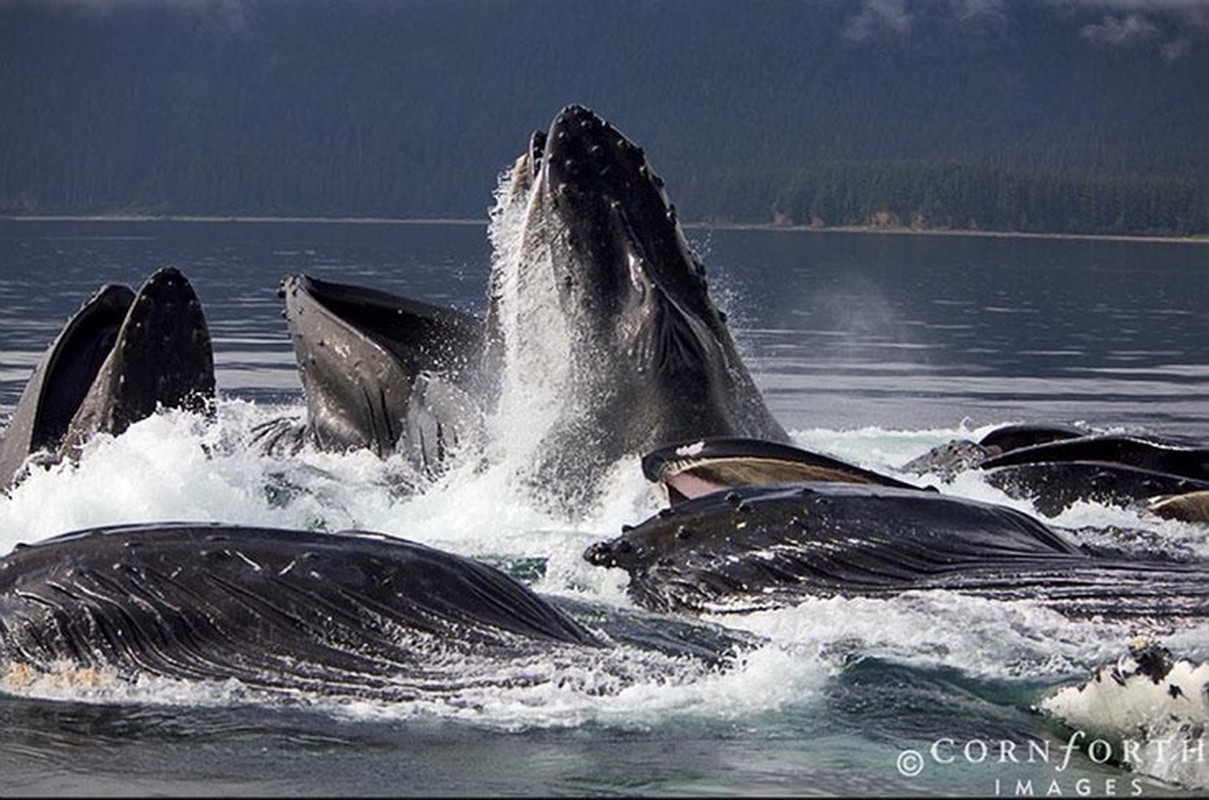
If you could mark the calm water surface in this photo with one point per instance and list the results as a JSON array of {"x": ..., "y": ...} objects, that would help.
[{"x": 872, "y": 348}]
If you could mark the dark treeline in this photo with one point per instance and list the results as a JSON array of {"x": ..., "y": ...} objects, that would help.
[
  {"x": 947, "y": 196},
  {"x": 1030, "y": 115}
]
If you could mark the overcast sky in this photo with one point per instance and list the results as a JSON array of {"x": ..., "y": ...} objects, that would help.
[{"x": 1170, "y": 27}]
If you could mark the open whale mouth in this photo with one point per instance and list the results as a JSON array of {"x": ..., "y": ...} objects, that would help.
[
  {"x": 689, "y": 470},
  {"x": 118, "y": 359},
  {"x": 380, "y": 371}
]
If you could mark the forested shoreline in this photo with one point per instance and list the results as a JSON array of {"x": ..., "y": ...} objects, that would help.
[
  {"x": 965, "y": 197},
  {"x": 924, "y": 197},
  {"x": 1030, "y": 117}
]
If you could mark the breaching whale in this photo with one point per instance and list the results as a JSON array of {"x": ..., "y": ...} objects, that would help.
[
  {"x": 1056, "y": 466},
  {"x": 118, "y": 359},
  {"x": 768, "y": 546},
  {"x": 597, "y": 297},
  {"x": 600, "y": 340}
]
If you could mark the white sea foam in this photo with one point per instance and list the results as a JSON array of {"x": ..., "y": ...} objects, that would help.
[
  {"x": 1156, "y": 727},
  {"x": 535, "y": 371},
  {"x": 986, "y": 638},
  {"x": 618, "y": 688},
  {"x": 175, "y": 466}
]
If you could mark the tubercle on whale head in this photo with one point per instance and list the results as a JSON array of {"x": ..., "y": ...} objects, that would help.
[
  {"x": 617, "y": 212},
  {"x": 623, "y": 266},
  {"x": 620, "y": 552}
]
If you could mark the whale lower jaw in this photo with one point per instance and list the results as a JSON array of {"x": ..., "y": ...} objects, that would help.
[
  {"x": 122, "y": 356},
  {"x": 780, "y": 545}
]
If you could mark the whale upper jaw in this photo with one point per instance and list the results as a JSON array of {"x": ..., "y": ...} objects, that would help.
[{"x": 382, "y": 372}]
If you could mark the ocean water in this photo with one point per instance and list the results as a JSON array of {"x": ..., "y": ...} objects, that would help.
[{"x": 872, "y": 348}]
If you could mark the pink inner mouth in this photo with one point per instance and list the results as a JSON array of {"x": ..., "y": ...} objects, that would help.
[{"x": 691, "y": 485}]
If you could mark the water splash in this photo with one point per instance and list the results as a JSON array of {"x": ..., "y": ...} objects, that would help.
[
  {"x": 535, "y": 370},
  {"x": 178, "y": 466}
]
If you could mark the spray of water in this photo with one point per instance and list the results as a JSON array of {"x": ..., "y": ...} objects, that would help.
[
  {"x": 524, "y": 296},
  {"x": 177, "y": 466}
]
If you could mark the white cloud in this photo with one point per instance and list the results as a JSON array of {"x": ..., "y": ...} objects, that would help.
[
  {"x": 1115, "y": 32},
  {"x": 1184, "y": 13},
  {"x": 232, "y": 14},
  {"x": 993, "y": 10},
  {"x": 878, "y": 18},
  {"x": 884, "y": 19},
  {"x": 1169, "y": 26},
  {"x": 1175, "y": 49}
]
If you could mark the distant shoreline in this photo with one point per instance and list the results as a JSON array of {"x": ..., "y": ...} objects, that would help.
[
  {"x": 872, "y": 229},
  {"x": 239, "y": 219},
  {"x": 735, "y": 226}
]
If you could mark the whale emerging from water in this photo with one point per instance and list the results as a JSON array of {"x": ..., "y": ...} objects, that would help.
[
  {"x": 597, "y": 297},
  {"x": 601, "y": 339},
  {"x": 769, "y": 546},
  {"x": 1055, "y": 466},
  {"x": 380, "y": 372},
  {"x": 118, "y": 359}
]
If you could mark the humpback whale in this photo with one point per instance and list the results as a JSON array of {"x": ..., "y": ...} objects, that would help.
[
  {"x": 349, "y": 612},
  {"x": 768, "y": 546},
  {"x": 600, "y": 332},
  {"x": 691, "y": 469},
  {"x": 1055, "y": 466},
  {"x": 597, "y": 297},
  {"x": 121, "y": 356},
  {"x": 380, "y": 372}
]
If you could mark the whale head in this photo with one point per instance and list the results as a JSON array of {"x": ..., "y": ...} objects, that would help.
[
  {"x": 601, "y": 308},
  {"x": 118, "y": 359}
]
